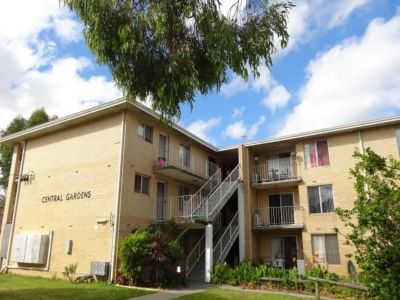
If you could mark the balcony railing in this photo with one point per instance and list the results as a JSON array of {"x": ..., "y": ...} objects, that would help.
[
  {"x": 277, "y": 216},
  {"x": 174, "y": 207},
  {"x": 274, "y": 170},
  {"x": 183, "y": 159}
]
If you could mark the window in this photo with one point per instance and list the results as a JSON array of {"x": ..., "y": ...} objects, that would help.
[
  {"x": 316, "y": 154},
  {"x": 183, "y": 197},
  {"x": 184, "y": 155},
  {"x": 326, "y": 248},
  {"x": 320, "y": 199},
  {"x": 142, "y": 184},
  {"x": 398, "y": 139},
  {"x": 145, "y": 132}
]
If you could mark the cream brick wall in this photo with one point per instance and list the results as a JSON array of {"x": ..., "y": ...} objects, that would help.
[
  {"x": 341, "y": 149},
  {"x": 76, "y": 159}
]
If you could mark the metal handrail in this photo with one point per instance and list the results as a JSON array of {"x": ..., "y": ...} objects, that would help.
[
  {"x": 282, "y": 215},
  {"x": 184, "y": 159},
  {"x": 226, "y": 238},
  {"x": 224, "y": 188},
  {"x": 195, "y": 255},
  {"x": 274, "y": 170},
  {"x": 198, "y": 250},
  {"x": 204, "y": 192}
]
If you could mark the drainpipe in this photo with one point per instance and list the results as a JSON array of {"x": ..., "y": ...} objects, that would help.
[
  {"x": 21, "y": 166},
  {"x": 116, "y": 218},
  {"x": 360, "y": 142}
]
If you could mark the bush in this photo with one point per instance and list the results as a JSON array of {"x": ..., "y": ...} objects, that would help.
[
  {"x": 152, "y": 254},
  {"x": 249, "y": 274},
  {"x": 70, "y": 271}
]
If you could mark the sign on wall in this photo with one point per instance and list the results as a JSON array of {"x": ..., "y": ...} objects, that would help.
[{"x": 66, "y": 197}]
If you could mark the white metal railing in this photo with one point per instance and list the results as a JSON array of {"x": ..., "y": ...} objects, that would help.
[
  {"x": 182, "y": 157},
  {"x": 274, "y": 170},
  {"x": 221, "y": 194},
  {"x": 173, "y": 207},
  {"x": 272, "y": 216},
  {"x": 195, "y": 255},
  {"x": 225, "y": 242},
  {"x": 198, "y": 250}
]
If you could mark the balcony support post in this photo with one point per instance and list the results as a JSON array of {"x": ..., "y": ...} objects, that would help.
[
  {"x": 242, "y": 243},
  {"x": 209, "y": 253}
]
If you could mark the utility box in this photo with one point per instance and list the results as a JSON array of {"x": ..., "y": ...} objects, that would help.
[
  {"x": 30, "y": 248},
  {"x": 99, "y": 268},
  {"x": 68, "y": 246}
]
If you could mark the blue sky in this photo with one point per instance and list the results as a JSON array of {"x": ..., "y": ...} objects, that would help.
[{"x": 341, "y": 66}]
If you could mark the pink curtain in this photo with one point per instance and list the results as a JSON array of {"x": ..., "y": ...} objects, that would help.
[
  {"x": 323, "y": 155},
  {"x": 313, "y": 156}
]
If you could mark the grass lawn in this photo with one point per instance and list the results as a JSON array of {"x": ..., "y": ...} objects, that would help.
[
  {"x": 221, "y": 294},
  {"x": 17, "y": 287}
]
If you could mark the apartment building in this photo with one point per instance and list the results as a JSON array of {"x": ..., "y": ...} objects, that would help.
[{"x": 80, "y": 183}]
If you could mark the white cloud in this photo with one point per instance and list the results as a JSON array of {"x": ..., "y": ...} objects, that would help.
[
  {"x": 277, "y": 98},
  {"x": 356, "y": 80},
  {"x": 238, "y": 112},
  {"x": 236, "y": 85},
  {"x": 33, "y": 74},
  {"x": 201, "y": 128},
  {"x": 239, "y": 130},
  {"x": 309, "y": 17},
  {"x": 275, "y": 95}
]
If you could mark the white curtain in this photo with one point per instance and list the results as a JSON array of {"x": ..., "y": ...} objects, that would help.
[{"x": 318, "y": 242}]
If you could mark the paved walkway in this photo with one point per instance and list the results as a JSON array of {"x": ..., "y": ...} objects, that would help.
[{"x": 172, "y": 294}]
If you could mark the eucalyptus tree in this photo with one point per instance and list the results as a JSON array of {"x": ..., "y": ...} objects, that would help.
[{"x": 169, "y": 50}]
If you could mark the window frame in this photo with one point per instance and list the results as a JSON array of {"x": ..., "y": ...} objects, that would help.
[
  {"x": 316, "y": 153},
  {"x": 143, "y": 138},
  {"x": 397, "y": 135},
  {"x": 324, "y": 235},
  {"x": 141, "y": 184},
  {"x": 185, "y": 160},
  {"x": 320, "y": 199}
]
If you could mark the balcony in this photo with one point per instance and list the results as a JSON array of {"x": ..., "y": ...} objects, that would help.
[
  {"x": 180, "y": 164},
  {"x": 275, "y": 173},
  {"x": 178, "y": 208},
  {"x": 282, "y": 217}
]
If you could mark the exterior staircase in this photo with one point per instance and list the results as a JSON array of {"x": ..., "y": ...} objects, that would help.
[{"x": 205, "y": 206}]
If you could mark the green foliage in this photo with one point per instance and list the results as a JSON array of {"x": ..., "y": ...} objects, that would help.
[
  {"x": 249, "y": 274},
  {"x": 153, "y": 254},
  {"x": 6, "y": 151},
  {"x": 170, "y": 50},
  {"x": 19, "y": 123},
  {"x": 374, "y": 223},
  {"x": 70, "y": 271}
]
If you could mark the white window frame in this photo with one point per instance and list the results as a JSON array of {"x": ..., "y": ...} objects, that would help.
[
  {"x": 316, "y": 152},
  {"x": 141, "y": 183},
  {"x": 397, "y": 134},
  {"x": 320, "y": 201},
  {"x": 140, "y": 137}
]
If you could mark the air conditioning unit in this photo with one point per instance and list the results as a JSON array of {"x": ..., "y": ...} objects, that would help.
[{"x": 99, "y": 268}]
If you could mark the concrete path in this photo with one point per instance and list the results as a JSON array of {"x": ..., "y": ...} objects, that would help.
[{"x": 172, "y": 294}]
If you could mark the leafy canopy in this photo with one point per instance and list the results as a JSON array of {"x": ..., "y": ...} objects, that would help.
[
  {"x": 169, "y": 50},
  {"x": 374, "y": 223},
  {"x": 19, "y": 123}
]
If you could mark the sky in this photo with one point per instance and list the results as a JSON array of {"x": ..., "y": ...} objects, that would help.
[{"x": 342, "y": 65}]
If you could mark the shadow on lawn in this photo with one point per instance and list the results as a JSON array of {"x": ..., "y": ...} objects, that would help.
[{"x": 69, "y": 294}]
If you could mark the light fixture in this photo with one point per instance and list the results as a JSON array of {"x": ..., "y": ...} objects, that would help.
[
  {"x": 256, "y": 158},
  {"x": 178, "y": 269}
]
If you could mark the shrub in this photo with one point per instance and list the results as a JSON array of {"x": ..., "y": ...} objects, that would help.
[
  {"x": 152, "y": 254},
  {"x": 70, "y": 271},
  {"x": 249, "y": 274}
]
